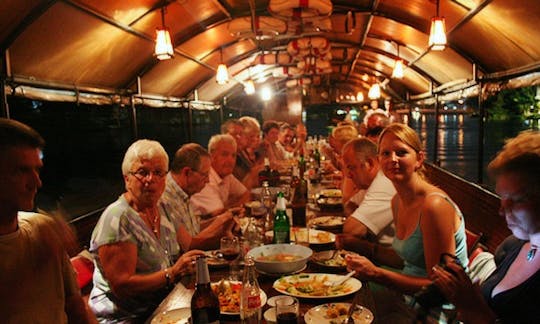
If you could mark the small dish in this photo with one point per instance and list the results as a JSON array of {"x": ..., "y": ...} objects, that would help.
[{"x": 179, "y": 315}]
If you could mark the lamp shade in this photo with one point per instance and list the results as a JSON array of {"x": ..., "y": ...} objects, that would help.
[
  {"x": 222, "y": 74},
  {"x": 359, "y": 96},
  {"x": 164, "y": 48},
  {"x": 249, "y": 87},
  {"x": 374, "y": 91},
  {"x": 437, "y": 35},
  {"x": 398, "y": 69}
]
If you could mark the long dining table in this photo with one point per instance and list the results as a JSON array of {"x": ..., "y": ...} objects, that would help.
[{"x": 180, "y": 296}]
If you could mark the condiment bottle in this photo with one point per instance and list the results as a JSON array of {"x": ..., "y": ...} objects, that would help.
[{"x": 250, "y": 298}]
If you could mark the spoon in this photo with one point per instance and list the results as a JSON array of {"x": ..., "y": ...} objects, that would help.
[{"x": 340, "y": 280}]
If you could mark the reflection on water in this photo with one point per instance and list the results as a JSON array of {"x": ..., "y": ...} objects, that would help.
[{"x": 458, "y": 144}]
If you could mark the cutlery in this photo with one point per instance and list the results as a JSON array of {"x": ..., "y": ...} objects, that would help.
[
  {"x": 349, "y": 319},
  {"x": 340, "y": 280}
]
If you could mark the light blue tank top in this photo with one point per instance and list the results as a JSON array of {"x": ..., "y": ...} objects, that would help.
[{"x": 411, "y": 250}]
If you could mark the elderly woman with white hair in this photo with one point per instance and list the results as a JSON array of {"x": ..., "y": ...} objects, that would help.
[{"x": 136, "y": 251}]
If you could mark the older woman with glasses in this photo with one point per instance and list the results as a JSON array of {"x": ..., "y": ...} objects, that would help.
[{"x": 135, "y": 248}]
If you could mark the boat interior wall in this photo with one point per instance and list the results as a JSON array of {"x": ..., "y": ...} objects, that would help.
[
  {"x": 105, "y": 46},
  {"x": 479, "y": 206}
]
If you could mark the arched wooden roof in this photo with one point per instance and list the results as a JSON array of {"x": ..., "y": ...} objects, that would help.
[{"x": 104, "y": 46}]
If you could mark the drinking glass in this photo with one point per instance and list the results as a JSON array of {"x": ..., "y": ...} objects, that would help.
[
  {"x": 301, "y": 236},
  {"x": 287, "y": 310},
  {"x": 230, "y": 248}
]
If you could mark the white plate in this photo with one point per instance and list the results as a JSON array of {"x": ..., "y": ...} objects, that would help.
[
  {"x": 337, "y": 263},
  {"x": 315, "y": 236},
  {"x": 176, "y": 316},
  {"x": 263, "y": 299},
  {"x": 318, "y": 314},
  {"x": 334, "y": 193},
  {"x": 285, "y": 285},
  {"x": 270, "y": 315},
  {"x": 327, "y": 222}
]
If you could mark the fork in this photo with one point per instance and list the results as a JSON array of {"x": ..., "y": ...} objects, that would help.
[{"x": 349, "y": 319}]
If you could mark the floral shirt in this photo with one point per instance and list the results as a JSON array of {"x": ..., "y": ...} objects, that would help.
[{"x": 121, "y": 223}]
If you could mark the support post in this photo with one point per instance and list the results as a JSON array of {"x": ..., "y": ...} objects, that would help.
[
  {"x": 5, "y": 73},
  {"x": 436, "y": 160},
  {"x": 481, "y": 133},
  {"x": 134, "y": 118}
]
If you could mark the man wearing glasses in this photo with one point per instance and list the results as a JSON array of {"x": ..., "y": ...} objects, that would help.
[{"x": 188, "y": 175}]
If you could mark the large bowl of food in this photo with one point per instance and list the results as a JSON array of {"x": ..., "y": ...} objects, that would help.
[{"x": 280, "y": 258}]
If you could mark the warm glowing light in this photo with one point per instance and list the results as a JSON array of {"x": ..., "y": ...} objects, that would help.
[
  {"x": 222, "y": 75},
  {"x": 359, "y": 96},
  {"x": 374, "y": 91},
  {"x": 249, "y": 87},
  {"x": 164, "y": 48},
  {"x": 266, "y": 93},
  {"x": 437, "y": 35},
  {"x": 398, "y": 69}
]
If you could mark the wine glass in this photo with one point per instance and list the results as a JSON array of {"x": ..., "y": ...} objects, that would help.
[{"x": 230, "y": 248}]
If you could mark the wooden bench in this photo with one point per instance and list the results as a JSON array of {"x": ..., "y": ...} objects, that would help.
[{"x": 480, "y": 207}]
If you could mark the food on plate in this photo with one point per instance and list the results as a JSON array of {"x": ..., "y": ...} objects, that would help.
[
  {"x": 228, "y": 293},
  {"x": 327, "y": 221},
  {"x": 335, "y": 193},
  {"x": 279, "y": 257},
  {"x": 310, "y": 286},
  {"x": 328, "y": 258},
  {"x": 336, "y": 310},
  {"x": 322, "y": 237}
]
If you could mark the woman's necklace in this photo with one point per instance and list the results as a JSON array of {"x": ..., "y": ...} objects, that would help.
[{"x": 532, "y": 253}]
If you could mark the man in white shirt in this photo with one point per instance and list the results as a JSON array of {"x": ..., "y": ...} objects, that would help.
[
  {"x": 223, "y": 191},
  {"x": 372, "y": 220}
]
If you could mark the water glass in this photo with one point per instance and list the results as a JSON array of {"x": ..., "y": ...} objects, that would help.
[
  {"x": 301, "y": 236},
  {"x": 287, "y": 310}
]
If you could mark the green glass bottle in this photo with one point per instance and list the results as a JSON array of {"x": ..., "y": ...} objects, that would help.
[{"x": 282, "y": 226}]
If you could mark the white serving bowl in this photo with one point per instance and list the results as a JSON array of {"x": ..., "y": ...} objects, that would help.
[{"x": 277, "y": 267}]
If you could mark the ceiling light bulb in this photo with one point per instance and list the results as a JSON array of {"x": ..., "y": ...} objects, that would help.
[
  {"x": 437, "y": 35},
  {"x": 222, "y": 75},
  {"x": 163, "y": 49},
  {"x": 266, "y": 94},
  {"x": 249, "y": 87},
  {"x": 359, "y": 96},
  {"x": 398, "y": 69},
  {"x": 374, "y": 91}
]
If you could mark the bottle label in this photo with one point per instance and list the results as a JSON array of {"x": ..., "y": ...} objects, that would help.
[
  {"x": 281, "y": 237},
  {"x": 254, "y": 302}
]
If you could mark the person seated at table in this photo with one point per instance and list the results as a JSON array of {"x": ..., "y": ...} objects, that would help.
[
  {"x": 428, "y": 223},
  {"x": 189, "y": 173},
  {"x": 511, "y": 293},
  {"x": 243, "y": 164},
  {"x": 340, "y": 136},
  {"x": 372, "y": 220},
  {"x": 252, "y": 132},
  {"x": 285, "y": 140},
  {"x": 38, "y": 284},
  {"x": 268, "y": 146},
  {"x": 223, "y": 191},
  {"x": 136, "y": 251},
  {"x": 375, "y": 124}
]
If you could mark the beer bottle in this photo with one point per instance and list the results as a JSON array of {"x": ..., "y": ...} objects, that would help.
[
  {"x": 299, "y": 201},
  {"x": 204, "y": 303},
  {"x": 282, "y": 226},
  {"x": 250, "y": 297},
  {"x": 266, "y": 173}
]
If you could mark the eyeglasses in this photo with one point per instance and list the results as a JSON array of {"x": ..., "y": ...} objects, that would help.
[
  {"x": 204, "y": 175},
  {"x": 142, "y": 174}
]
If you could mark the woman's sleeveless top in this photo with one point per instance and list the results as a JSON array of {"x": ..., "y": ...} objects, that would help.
[{"x": 411, "y": 249}]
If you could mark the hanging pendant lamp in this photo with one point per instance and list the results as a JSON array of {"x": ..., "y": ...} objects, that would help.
[
  {"x": 437, "y": 34},
  {"x": 222, "y": 74},
  {"x": 397, "y": 73},
  {"x": 164, "y": 49}
]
